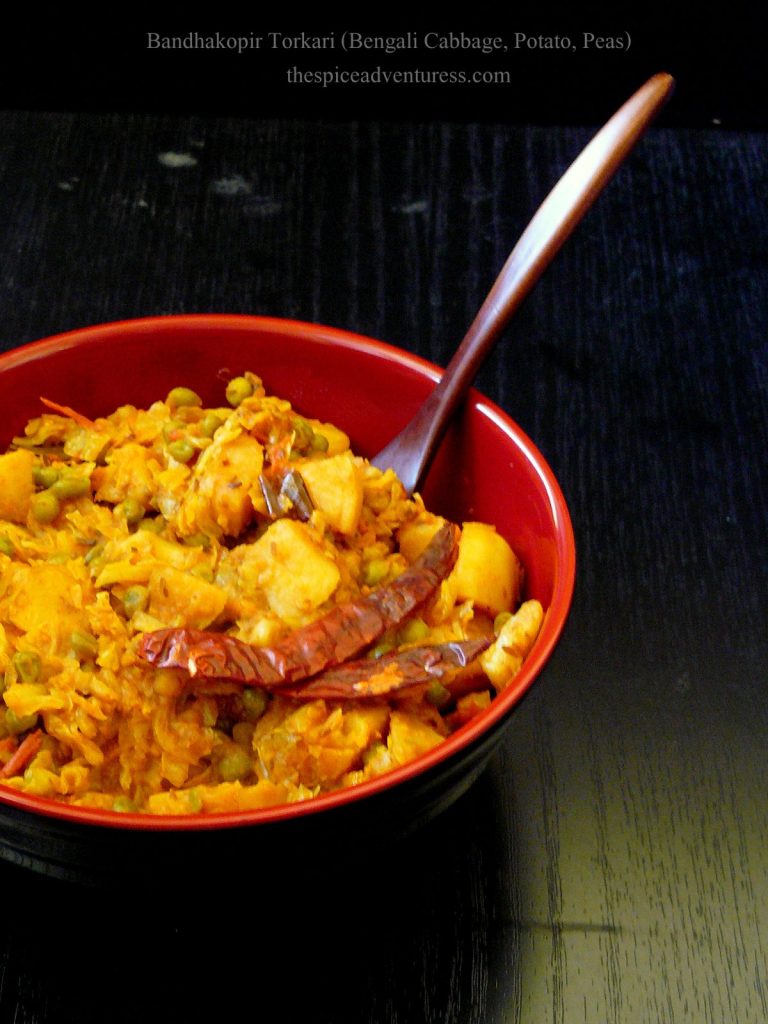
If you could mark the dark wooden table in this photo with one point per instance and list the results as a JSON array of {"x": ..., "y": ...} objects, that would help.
[{"x": 612, "y": 863}]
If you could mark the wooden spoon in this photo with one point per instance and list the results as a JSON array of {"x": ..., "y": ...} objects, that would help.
[{"x": 411, "y": 452}]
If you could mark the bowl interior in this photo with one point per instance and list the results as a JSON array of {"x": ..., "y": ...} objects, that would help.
[{"x": 487, "y": 469}]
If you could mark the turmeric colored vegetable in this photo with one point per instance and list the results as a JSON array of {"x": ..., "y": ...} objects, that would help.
[
  {"x": 210, "y": 609},
  {"x": 330, "y": 640}
]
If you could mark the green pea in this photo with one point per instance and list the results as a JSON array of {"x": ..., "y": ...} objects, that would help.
[
  {"x": 254, "y": 703},
  {"x": 131, "y": 509},
  {"x": 242, "y": 734},
  {"x": 153, "y": 525},
  {"x": 124, "y": 804},
  {"x": 438, "y": 695},
  {"x": 28, "y": 666},
  {"x": 71, "y": 486},
  {"x": 319, "y": 442},
  {"x": 238, "y": 389},
  {"x": 383, "y": 648},
  {"x": 181, "y": 450},
  {"x": 135, "y": 599},
  {"x": 85, "y": 645},
  {"x": 303, "y": 432},
  {"x": 209, "y": 424},
  {"x": 198, "y": 540},
  {"x": 45, "y": 507},
  {"x": 203, "y": 572},
  {"x": 414, "y": 631},
  {"x": 182, "y": 396},
  {"x": 16, "y": 724},
  {"x": 6, "y": 546},
  {"x": 44, "y": 476},
  {"x": 172, "y": 431},
  {"x": 375, "y": 571},
  {"x": 236, "y": 764}
]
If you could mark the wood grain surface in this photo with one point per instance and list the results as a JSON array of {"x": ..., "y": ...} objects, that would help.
[{"x": 611, "y": 866}]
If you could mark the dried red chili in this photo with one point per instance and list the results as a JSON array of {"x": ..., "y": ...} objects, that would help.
[
  {"x": 396, "y": 672},
  {"x": 331, "y": 640}
]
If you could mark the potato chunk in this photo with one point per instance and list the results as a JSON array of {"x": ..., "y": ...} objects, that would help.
[
  {"x": 16, "y": 485},
  {"x": 315, "y": 745},
  {"x": 502, "y": 661},
  {"x": 409, "y": 737},
  {"x": 224, "y": 487},
  {"x": 130, "y": 472},
  {"x": 335, "y": 486},
  {"x": 289, "y": 564},
  {"x": 487, "y": 570},
  {"x": 414, "y": 538},
  {"x": 45, "y": 601},
  {"x": 180, "y": 599}
]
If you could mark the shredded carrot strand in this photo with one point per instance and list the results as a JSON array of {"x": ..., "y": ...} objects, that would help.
[
  {"x": 65, "y": 410},
  {"x": 27, "y": 750}
]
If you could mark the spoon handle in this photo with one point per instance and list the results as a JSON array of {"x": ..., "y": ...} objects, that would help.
[{"x": 410, "y": 453}]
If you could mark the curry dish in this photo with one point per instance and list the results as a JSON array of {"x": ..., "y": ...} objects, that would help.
[{"x": 219, "y": 609}]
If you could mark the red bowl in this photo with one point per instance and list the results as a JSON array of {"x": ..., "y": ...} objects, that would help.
[{"x": 487, "y": 469}]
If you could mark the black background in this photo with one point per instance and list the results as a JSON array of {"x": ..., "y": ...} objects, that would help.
[
  {"x": 611, "y": 865},
  {"x": 99, "y": 61}
]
